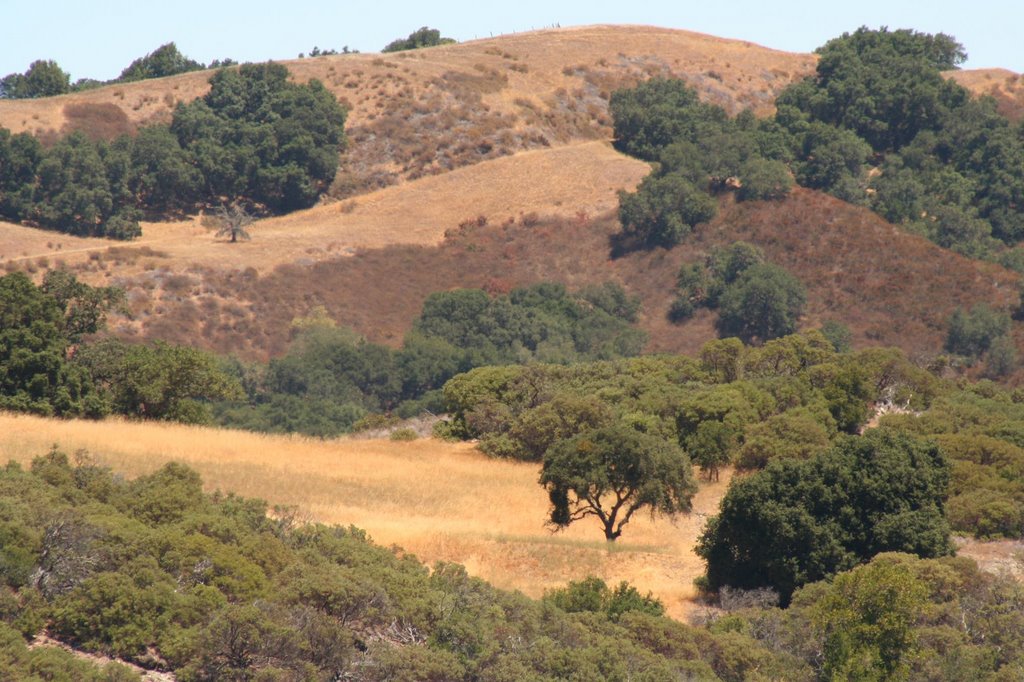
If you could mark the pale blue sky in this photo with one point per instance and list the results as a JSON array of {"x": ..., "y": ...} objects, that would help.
[{"x": 99, "y": 38}]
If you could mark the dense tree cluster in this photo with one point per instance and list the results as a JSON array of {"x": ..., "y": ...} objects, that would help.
[
  {"x": 38, "y": 326},
  {"x": 878, "y": 125},
  {"x": 45, "y": 368},
  {"x": 974, "y": 332},
  {"x": 789, "y": 397},
  {"x": 423, "y": 37},
  {"x": 45, "y": 78},
  {"x": 258, "y": 136},
  {"x": 756, "y": 301},
  {"x": 164, "y": 61},
  {"x": 898, "y": 617},
  {"x": 699, "y": 151},
  {"x": 799, "y": 521},
  {"x": 255, "y": 137},
  {"x": 980, "y": 429},
  {"x": 330, "y": 378},
  {"x": 615, "y": 437}
]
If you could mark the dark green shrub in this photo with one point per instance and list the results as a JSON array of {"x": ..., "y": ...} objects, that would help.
[
  {"x": 801, "y": 521},
  {"x": 764, "y": 179},
  {"x": 972, "y": 333},
  {"x": 423, "y": 37},
  {"x": 764, "y": 303}
]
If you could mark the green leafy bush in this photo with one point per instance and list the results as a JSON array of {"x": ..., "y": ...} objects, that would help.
[
  {"x": 801, "y": 521},
  {"x": 44, "y": 78},
  {"x": 208, "y": 587},
  {"x": 972, "y": 333},
  {"x": 164, "y": 61},
  {"x": 423, "y": 37}
]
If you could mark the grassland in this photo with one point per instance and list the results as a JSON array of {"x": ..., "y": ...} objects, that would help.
[
  {"x": 440, "y": 501},
  {"x": 558, "y": 182}
]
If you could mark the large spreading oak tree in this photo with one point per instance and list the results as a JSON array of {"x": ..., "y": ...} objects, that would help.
[{"x": 613, "y": 472}]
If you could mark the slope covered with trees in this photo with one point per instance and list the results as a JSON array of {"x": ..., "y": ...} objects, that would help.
[
  {"x": 878, "y": 125},
  {"x": 157, "y": 572},
  {"x": 254, "y": 138}
]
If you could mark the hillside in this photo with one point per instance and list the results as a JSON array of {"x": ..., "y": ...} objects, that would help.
[
  {"x": 510, "y": 132},
  {"x": 891, "y": 287},
  {"x": 428, "y": 111},
  {"x": 489, "y": 165},
  {"x": 439, "y": 501},
  {"x": 1005, "y": 86}
]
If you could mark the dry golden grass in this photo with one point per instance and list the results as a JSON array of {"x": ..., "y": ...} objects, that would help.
[
  {"x": 544, "y": 54},
  {"x": 559, "y": 181},
  {"x": 19, "y": 243},
  {"x": 441, "y": 501},
  {"x": 995, "y": 556},
  {"x": 1004, "y": 85},
  {"x": 734, "y": 71},
  {"x": 542, "y": 67}
]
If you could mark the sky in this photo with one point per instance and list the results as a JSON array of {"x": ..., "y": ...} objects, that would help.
[{"x": 98, "y": 38}]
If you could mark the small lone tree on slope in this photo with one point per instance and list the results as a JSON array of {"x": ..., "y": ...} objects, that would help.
[{"x": 231, "y": 222}]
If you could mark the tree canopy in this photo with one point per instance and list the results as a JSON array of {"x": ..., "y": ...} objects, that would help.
[
  {"x": 258, "y": 136},
  {"x": 166, "y": 60},
  {"x": 38, "y": 326},
  {"x": 422, "y": 37},
  {"x": 255, "y": 138},
  {"x": 613, "y": 472},
  {"x": 879, "y": 124},
  {"x": 763, "y": 303},
  {"x": 44, "y": 78},
  {"x": 801, "y": 521}
]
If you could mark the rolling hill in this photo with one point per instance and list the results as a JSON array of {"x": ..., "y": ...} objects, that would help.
[{"x": 487, "y": 164}]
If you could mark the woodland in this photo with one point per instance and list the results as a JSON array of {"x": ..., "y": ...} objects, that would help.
[{"x": 857, "y": 466}]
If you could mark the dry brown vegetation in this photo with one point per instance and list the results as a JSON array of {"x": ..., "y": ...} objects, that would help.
[
  {"x": 440, "y": 501},
  {"x": 890, "y": 287},
  {"x": 1005, "y": 86}
]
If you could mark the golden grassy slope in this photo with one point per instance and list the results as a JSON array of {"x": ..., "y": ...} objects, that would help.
[
  {"x": 1004, "y": 85},
  {"x": 536, "y": 64},
  {"x": 741, "y": 69},
  {"x": 503, "y": 128},
  {"x": 441, "y": 501},
  {"x": 561, "y": 181}
]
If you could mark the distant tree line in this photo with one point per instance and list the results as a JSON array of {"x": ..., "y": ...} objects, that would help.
[
  {"x": 423, "y": 37},
  {"x": 51, "y": 364},
  {"x": 45, "y": 78},
  {"x": 331, "y": 378},
  {"x": 877, "y": 125},
  {"x": 255, "y": 138}
]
